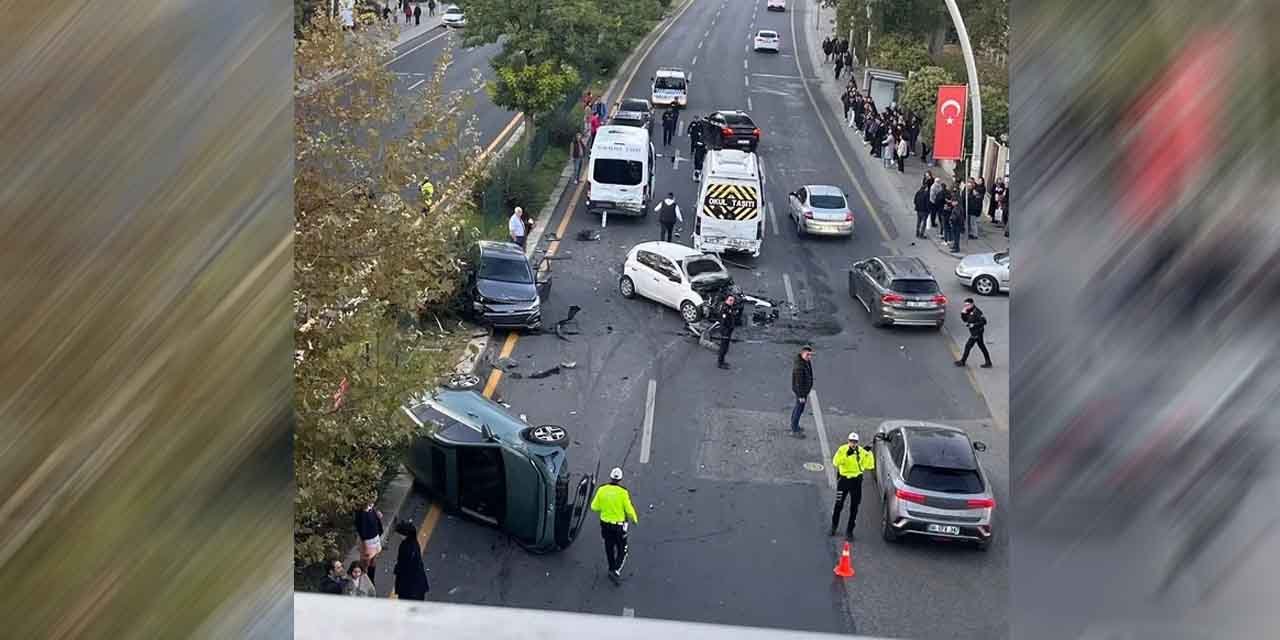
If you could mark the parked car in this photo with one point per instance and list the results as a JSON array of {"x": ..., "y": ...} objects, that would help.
[
  {"x": 669, "y": 87},
  {"x": 776, "y": 5},
  {"x": 453, "y": 17},
  {"x": 931, "y": 483},
  {"x": 898, "y": 290},
  {"x": 734, "y": 130},
  {"x": 502, "y": 289},
  {"x": 634, "y": 112},
  {"x": 822, "y": 210},
  {"x": 483, "y": 463},
  {"x": 673, "y": 275},
  {"x": 987, "y": 273},
  {"x": 766, "y": 40}
]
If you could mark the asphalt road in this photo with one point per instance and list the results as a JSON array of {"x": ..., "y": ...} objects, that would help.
[{"x": 732, "y": 525}]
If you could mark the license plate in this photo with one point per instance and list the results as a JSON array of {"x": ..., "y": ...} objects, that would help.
[
  {"x": 942, "y": 528},
  {"x": 919, "y": 305},
  {"x": 745, "y": 141}
]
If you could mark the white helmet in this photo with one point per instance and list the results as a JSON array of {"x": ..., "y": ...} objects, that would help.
[
  {"x": 853, "y": 436},
  {"x": 616, "y": 474}
]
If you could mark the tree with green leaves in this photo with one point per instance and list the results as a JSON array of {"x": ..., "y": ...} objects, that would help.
[
  {"x": 367, "y": 256},
  {"x": 532, "y": 89},
  {"x": 897, "y": 52},
  {"x": 921, "y": 96}
]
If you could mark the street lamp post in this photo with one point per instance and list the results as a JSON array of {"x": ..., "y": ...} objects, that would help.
[
  {"x": 868, "y": 53},
  {"x": 975, "y": 164}
]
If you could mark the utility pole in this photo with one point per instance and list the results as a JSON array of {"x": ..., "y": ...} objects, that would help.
[
  {"x": 975, "y": 97},
  {"x": 868, "y": 54}
]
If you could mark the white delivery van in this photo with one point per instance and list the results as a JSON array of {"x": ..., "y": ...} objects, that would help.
[
  {"x": 670, "y": 88},
  {"x": 730, "y": 212},
  {"x": 620, "y": 176}
]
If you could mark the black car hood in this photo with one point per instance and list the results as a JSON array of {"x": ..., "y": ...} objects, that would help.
[{"x": 499, "y": 291}]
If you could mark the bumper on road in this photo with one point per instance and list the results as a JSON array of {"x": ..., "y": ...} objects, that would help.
[
  {"x": 972, "y": 532},
  {"x": 914, "y": 317},
  {"x": 524, "y": 319},
  {"x": 820, "y": 228},
  {"x": 614, "y": 209}
]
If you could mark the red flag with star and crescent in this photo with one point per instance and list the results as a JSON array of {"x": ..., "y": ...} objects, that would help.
[{"x": 948, "y": 129}]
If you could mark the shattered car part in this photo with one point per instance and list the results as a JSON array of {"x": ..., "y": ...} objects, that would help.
[
  {"x": 568, "y": 364},
  {"x": 588, "y": 235},
  {"x": 546, "y": 372},
  {"x": 562, "y": 326},
  {"x": 462, "y": 381}
]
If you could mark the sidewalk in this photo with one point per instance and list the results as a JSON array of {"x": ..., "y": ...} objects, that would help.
[
  {"x": 428, "y": 23},
  {"x": 898, "y": 190}
]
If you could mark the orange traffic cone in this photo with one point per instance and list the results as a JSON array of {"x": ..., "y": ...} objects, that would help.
[{"x": 845, "y": 568}]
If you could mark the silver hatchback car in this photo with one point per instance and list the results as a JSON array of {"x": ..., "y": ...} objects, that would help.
[
  {"x": 898, "y": 290},
  {"x": 931, "y": 483}
]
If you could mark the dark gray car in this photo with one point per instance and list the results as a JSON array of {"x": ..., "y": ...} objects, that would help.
[
  {"x": 898, "y": 290},
  {"x": 502, "y": 289}
]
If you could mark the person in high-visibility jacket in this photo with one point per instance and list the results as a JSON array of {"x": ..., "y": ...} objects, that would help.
[
  {"x": 613, "y": 503},
  {"x": 850, "y": 461}
]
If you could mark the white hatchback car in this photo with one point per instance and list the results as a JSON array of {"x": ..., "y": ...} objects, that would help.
[
  {"x": 987, "y": 273},
  {"x": 766, "y": 40},
  {"x": 673, "y": 275},
  {"x": 776, "y": 5},
  {"x": 453, "y": 17}
]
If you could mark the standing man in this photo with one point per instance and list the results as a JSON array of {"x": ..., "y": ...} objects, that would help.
[
  {"x": 975, "y": 196},
  {"x": 801, "y": 385},
  {"x": 850, "y": 461},
  {"x": 411, "y": 576},
  {"x": 668, "y": 215},
  {"x": 577, "y": 151},
  {"x": 613, "y": 502},
  {"x": 839, "y": 64},
  {"x": 728, "y": 321},
  {"x": 923, "y": 207},
  {"x": 973, "y": 318},
  {"x": 668, "y": 126},
  {"x": 516, "y": 227},
  {"x": 431, "y": 7},
  {"x": 937, "y": 196},
  {"x": 417, "y": 15},
  {"x": 697, "y": 145},
  {"x": 957, "y": 223},
  {"x": 997, "y": 192}
]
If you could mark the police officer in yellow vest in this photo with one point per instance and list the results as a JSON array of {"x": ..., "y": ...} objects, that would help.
[
  {"x": 613, "y": 503},
  {"x": 850, "y": 462}
]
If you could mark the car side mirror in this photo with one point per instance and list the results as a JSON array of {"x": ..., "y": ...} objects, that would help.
[
  {"x": 882, "y": 437},
  {"x": 860, "y": 266},
  {"x": 979, "y": 446},
  {"x": 487, "y": 433}
]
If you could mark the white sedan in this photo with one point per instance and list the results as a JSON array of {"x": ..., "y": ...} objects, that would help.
[
  {"x": 766, "y": 40},
  {"x": 453, "y": 17},
  {"x": 776, "y": 5},
  {"x": 672, "y": 274},
  {"x": 987, "y": 273}
]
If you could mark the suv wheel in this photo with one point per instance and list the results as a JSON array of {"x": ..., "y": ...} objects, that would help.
[
  {"x": 626, "y": 287},
  {"x": 985, "y": 285},
  {"x": 462, "y": 381},
  {"x": 547, "y": 434},
  {"x": 886, "y": 530}
]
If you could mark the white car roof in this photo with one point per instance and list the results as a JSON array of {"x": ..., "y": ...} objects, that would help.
[
  {"x": 767, "y": 33},
  {"x": 671, "y": 250},
  {"x": 669, "y": 72},
  {"x": 823, "y": 190},
  {"x": 613, "y": 134}
]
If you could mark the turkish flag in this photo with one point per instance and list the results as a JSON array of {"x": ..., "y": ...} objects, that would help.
[{"x": 948, "y": 129}]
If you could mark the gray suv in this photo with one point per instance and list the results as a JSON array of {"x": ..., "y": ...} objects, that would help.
[
  {"x": 898, "y": 290},
  {"x": 931, "y": 484}
]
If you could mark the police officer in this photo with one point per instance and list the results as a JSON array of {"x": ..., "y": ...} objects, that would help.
[
  {"x": 669, "y": 118},
  {"x": 850, "y": 461},
  {"x": 697, "y": 145},
  {"x": 728, "y": 320},
  {"x": 613, "y": 503},
  {"x": 668, "y": 215}
]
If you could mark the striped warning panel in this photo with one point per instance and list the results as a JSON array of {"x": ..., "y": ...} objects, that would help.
[{"x": 731, "y": 202}]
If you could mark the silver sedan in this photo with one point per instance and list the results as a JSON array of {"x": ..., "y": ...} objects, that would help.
[
  {"x": 987, "y": 273},
  {"x": 821, "y": 210}
]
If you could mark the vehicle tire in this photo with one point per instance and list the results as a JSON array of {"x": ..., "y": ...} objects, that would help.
[
  {"x": 547, "y": 434},
  {"x": 690, "y": 312},
  {"x": 626, "y": 287},
  {"x": 886, "y": 530},
  {"x": 462, "y": 381},
  {"x": 985, "y": 285},
  {"x": 982, "y": 546}
]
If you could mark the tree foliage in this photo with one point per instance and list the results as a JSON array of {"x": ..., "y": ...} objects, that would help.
[
  {"x": 532, "y": 89},
  {"x": 900, "y": 53},
  {"x": 921, "y": 95},
  {"x": 365, "y": 257}
]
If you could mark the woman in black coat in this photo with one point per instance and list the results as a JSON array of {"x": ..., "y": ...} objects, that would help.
[{"x": 411, "y": 577}]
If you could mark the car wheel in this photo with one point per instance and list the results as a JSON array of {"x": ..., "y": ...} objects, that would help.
[
  {"x": 462, "y": 381},
  {"x": 985, "y": 285},
  {"x": 886, "y": 530},
  {"x": 626, "y": 287},
  {"x": 982, "y": 546},
  {"x": 547, "y": 434},
  {"x": 689, "y": 312}
]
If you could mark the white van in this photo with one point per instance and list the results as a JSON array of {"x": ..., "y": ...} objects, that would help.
[
  {"x": 620, "y": 176},
  {"x": 730, "y": 213},
  {"x": 670, "y": 88}
]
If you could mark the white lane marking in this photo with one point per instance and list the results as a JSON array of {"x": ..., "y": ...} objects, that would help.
[
  {"x": 628, "y": 612},
  {"x": 822, "y": 437},
  {"x": 695, "y": 59},
  {"x": 699, "y": 44},
  {"x": 791, "y": 296},
  {"x": 707, "y": 33},
  {"x": 744, "y": 64},
  {"x": 772, "y": 218},
  {"x": 646, "y": 440},
  {"x": 429, "y": 41},
  {"x": 748, "y": 103},
  {"x": 746, "y": 81},
  {"x": 775, "y": 75},
  {"x": 416, "y": 84}
]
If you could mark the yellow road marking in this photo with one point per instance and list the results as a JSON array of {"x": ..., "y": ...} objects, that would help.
[
  {"x": 496, "y": 374},
  {"x": 502, "y": 134}
]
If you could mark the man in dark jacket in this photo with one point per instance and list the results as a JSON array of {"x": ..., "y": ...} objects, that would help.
[
  {"x": 923, "y": 207},
  {"x": 728, "y": 321},
  {"x": 956, "y": 214},
  {"x": 668, "y": 216},
  {"x": 801, "y": 385},
  {"x": 411, "y": 577},
  {"x": 973, "y": 318},
  {"x": 668, "y": 126},
  {"x": 974, "y": 198},
  {"x": 335, "y": 581}
]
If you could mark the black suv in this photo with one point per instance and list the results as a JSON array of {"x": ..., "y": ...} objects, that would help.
[
  {"x": 634, "y": 112},
  {"x": 898, "y": 290},
  {"x": 733, "y": 130},
  {"x": 502, "y": 289}
]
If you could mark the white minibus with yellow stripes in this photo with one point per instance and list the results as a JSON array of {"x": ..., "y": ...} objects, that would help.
[{"x": 730, "y": 211}]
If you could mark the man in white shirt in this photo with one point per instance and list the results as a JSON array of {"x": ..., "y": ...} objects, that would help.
[
  {"x": 668, "y": 215},
  {"x": 515, "y": 225}
]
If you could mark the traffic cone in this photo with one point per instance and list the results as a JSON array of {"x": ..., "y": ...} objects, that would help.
[{"x": 845, "y": 568}]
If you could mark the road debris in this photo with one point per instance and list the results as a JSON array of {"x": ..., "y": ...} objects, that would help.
[
  {"x": 569, "y": 326},
  {"x": 588, "y": 235},
  {"x": 568, "y": 364}
]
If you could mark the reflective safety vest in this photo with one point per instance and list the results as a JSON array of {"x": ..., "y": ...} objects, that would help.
[
  {"x": 613, "y": 503},
  {"x": 850, "y": 462}
]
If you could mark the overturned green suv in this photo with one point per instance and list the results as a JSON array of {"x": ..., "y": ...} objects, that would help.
[{"x": 481, "y": 462}]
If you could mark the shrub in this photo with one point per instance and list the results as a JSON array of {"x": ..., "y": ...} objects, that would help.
[{"x": 899, "y": 53}]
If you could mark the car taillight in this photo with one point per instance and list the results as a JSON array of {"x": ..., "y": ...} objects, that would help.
[
  {"x": 756, "y": 132},
  {"x": 892, "y": 298},
  {"x": 726, "y": 131},
  {"x": 940, "y": 300},
  {"x": 909, "y": 496},
  {"x": 808, "y": 214},
  {"x": 848, "y": 217},
  {"x": 980, "y": 503}
]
